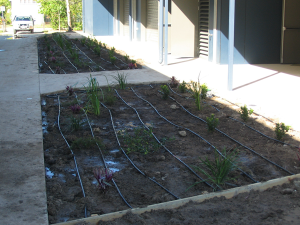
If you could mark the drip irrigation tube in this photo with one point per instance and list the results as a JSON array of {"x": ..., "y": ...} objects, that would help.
[
  {"x": 77, "y": 171},
  {"x": 103, "y": 157},
  {"x": 65, "y": 55},
  {"x": 49, "y": 67},
  {"x": 232, "y": 138},
  {"x": 164, "y": 145},
  {"x": 192, "y": 133},
  {"x": 83, "y": 53},
  {"x": 243, "y": 123},
  {"x": 116, "y": 58},
  {"x": 153, "y": 180}
]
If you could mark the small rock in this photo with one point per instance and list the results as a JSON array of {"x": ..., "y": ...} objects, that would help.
[
  {"x": 96, "y": 129},
  {"x": 297, "y": 184},
  {"x": 173, "y": 106},
  {"x": 157, "y": 173},
  {"x": 182, "y": 133},
  {"x": 148, "y": 125},
  {"x": 161, "y": 158},
  {"x": 287, "y": 191},
  {"x": 204, "y": 192},
  {"x": 94, "y": 215}
]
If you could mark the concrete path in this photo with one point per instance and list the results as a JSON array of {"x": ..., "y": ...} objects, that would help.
[{"x": 22, "y": 176}]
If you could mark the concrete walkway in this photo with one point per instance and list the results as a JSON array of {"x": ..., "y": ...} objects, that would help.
[{"x": 269, "y": 89}]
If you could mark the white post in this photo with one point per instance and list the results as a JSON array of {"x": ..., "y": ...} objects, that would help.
[
  {"x": 166, "y": 30},
  {"x": 230, "y": 43}
]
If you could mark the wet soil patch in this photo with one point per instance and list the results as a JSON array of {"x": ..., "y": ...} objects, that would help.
[{"x": 65, "y": 197}]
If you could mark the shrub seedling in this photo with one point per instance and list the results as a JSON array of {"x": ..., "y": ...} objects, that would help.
[
  {"x": 126, "y": 58},
  {"x": 204, "y": 90},
  {"x": 212, "y": 122},
  {"x": 92, "y": 94},
  {"x": 165, "y": 91},
  {"x": 121, "y": 79},
  {"x": 280, "y": 130},
  {"x": 196, "y": 91},
  {"x": 173, "y": 82},
  {"x": 182, "y": 87},
  {"x": 103, "y": 177},
  {"x": 245, "y": 113},
  {"x": 220, "y": 167},
  {"x": 75, "y": 123},
  {"x": 86, "y": 143},
  {"x": 132, "y": 66},
  {"x": 113, "y": 60}
]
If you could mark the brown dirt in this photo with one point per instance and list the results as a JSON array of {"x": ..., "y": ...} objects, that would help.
[
  {"x": 65, "y": 200},
  {"x": 84, "y": 65}
]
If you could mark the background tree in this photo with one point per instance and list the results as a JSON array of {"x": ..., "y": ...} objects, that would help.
[{"x": 7, "y": 13}]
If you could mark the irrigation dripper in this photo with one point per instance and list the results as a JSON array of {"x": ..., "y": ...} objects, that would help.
[{"x": 164, "y": 145}]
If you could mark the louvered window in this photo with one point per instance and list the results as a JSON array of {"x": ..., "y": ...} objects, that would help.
[{"x": 203, "y": 28}]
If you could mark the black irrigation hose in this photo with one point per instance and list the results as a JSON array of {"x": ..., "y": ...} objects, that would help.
[
  {"x": 65, "y": 55},
  {"x": 232, "y": 138},
  {"x": 77, "y": 171},
  {"x": 116, "y": 57},
  {"x": 164, "y": 145},
  {"x": 49, "y": 67},
  {"x": 192, "y": 133},
  {"x": 103, "y": 158},
  {"x": 242, "y": 122},
  {"x": 132, "y": 163}
]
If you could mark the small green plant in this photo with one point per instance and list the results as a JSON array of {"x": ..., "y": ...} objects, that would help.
[
  {"x": 104, "y": 45},
  {"x": 113, "y": 59},
  {"x": 141, "y": 141},
  {"x": 126, "y": 58},
  {"x": 196, "y": 92},
  {"x": 109, "y": 98},
  {"x": 87, "y": 143},
  {"x": 280, "y": 130},
  {"x": 165, "y": 91},
  {"x": 133, "y": 61},
  {"x": 204, "y": 90},
  {"x": 219, "y": 168},
  {"x": 212, "y": 122},
  {"x": 97, "y": 50},
  {"x": 83, "y": 41},
  {"x": 111, "y": 52},
  {"x": 182, "y": 87},
  {"x": 92, "y": 91},
  {"x": 174, "y": 82},
  {"x": 75, "y": 123},
  {"x": 121, "y": 78},
  {"x": 245, "y": 112}
]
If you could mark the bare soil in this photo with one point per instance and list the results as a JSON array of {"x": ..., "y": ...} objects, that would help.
[{"x": 65, "y": 198}]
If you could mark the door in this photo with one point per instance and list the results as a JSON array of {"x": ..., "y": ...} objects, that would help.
[
  {"x": 290, "y": 51},
  {"x": 152, "y": 20}
]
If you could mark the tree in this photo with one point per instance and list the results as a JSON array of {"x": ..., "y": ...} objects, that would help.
[
  {"x": 7, "y": 5},
  {"x": 69, "y": 16}
]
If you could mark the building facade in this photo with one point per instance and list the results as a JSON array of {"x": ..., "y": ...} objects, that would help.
[{"x": 266, "y": 31}]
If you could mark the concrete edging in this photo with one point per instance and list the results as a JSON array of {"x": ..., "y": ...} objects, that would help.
[{"x": 177, "y": 203}]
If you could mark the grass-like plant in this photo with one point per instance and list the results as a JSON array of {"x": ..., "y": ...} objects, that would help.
[
  {"x": 196, "y": 92},
  {"x": 126, "y": 58},
  {"x": 103, "y": 177},
  {"x": 174, "y": 82},
  {"x": 280, "y": 130},
  {"x": 109, "y": 98},
  {"x": 245, "y": 112},
  {"x": 165, "y": 91},
  {"x": 141, "y": 141},
  {"x": 212, "y": 122},
  {"x": 75, "y": 123},
  {"x": 182, "y": 87},
  {"x": 83, "y": 41},
  {"x": 86, "y": 143},
  {"x": 113, "y": 60},
  {"x": 92, "y": 91},
  {"x": 121, "y": 78},
  {"x": 219, "y": 168},
  {"x": 204, "y": 90},
  {"x": 97, "y": 50}
]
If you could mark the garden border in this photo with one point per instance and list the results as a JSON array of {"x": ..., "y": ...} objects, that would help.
[{"x": 177, "y": 203}]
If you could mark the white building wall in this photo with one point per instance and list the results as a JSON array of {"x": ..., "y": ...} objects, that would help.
[{"x": 27, "y": 7}]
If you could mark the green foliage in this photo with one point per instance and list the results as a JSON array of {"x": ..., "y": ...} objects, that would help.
[
  {"x": 196, "y": 92},
  {"x": 113, "y": 60},
  {"x": 133, "y": 61},
  {"x": 280, "y": 130},
  {"x": 109, "y": 98},
  {"x": 141, "y": 141},
  {"x": 165, "y": 91},
  {"x": 182, "y": 87},
  {"x": 97, "y": 50},
  {"x": 121, "y": 78},
  {"x": 204, "y": 90},
  {"x": 245, "y": 112},
  {"x": 92, "y": 91},
  {"x": 87, "y": 143},
  {"x": 126, "y": 58},
  {"x": 75, "y": 123},
  {"x": 212, "y": 122},
  {"x": 219, "y": 168},
  {"x": 7, "y": 13}
]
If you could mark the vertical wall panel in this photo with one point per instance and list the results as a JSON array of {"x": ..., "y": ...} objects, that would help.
[
  {"x": 126, "y": 18},
  {"x": 152, "y": 20}
]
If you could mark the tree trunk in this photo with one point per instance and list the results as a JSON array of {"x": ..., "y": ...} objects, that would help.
[{"x": 69, "y": 16}]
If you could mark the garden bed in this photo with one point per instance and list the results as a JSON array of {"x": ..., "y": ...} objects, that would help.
[
  {"x": 61, "y": 55},
  {"x": 162, "y": 176}
]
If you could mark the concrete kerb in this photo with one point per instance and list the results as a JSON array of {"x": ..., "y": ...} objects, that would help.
[{"x": 177, "y": 203}]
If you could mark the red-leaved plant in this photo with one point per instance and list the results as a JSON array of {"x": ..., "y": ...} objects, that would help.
[
  {"x": 103, "y": 177},
  {"x": 75, "y": 109},
  {"x": 173, "y": 82},
  {"x": 53, "y": 59},
  {"x": 132, "y": 65},
  {"x": 69, "y": 90}
]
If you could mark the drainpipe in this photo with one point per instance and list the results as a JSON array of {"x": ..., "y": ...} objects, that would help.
[
  {"x": 166, "y": 30},
  {"x": 230, "y": 44},
  {"x": 160, "y": 31},
  {"x": 130, "y": 20}
]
